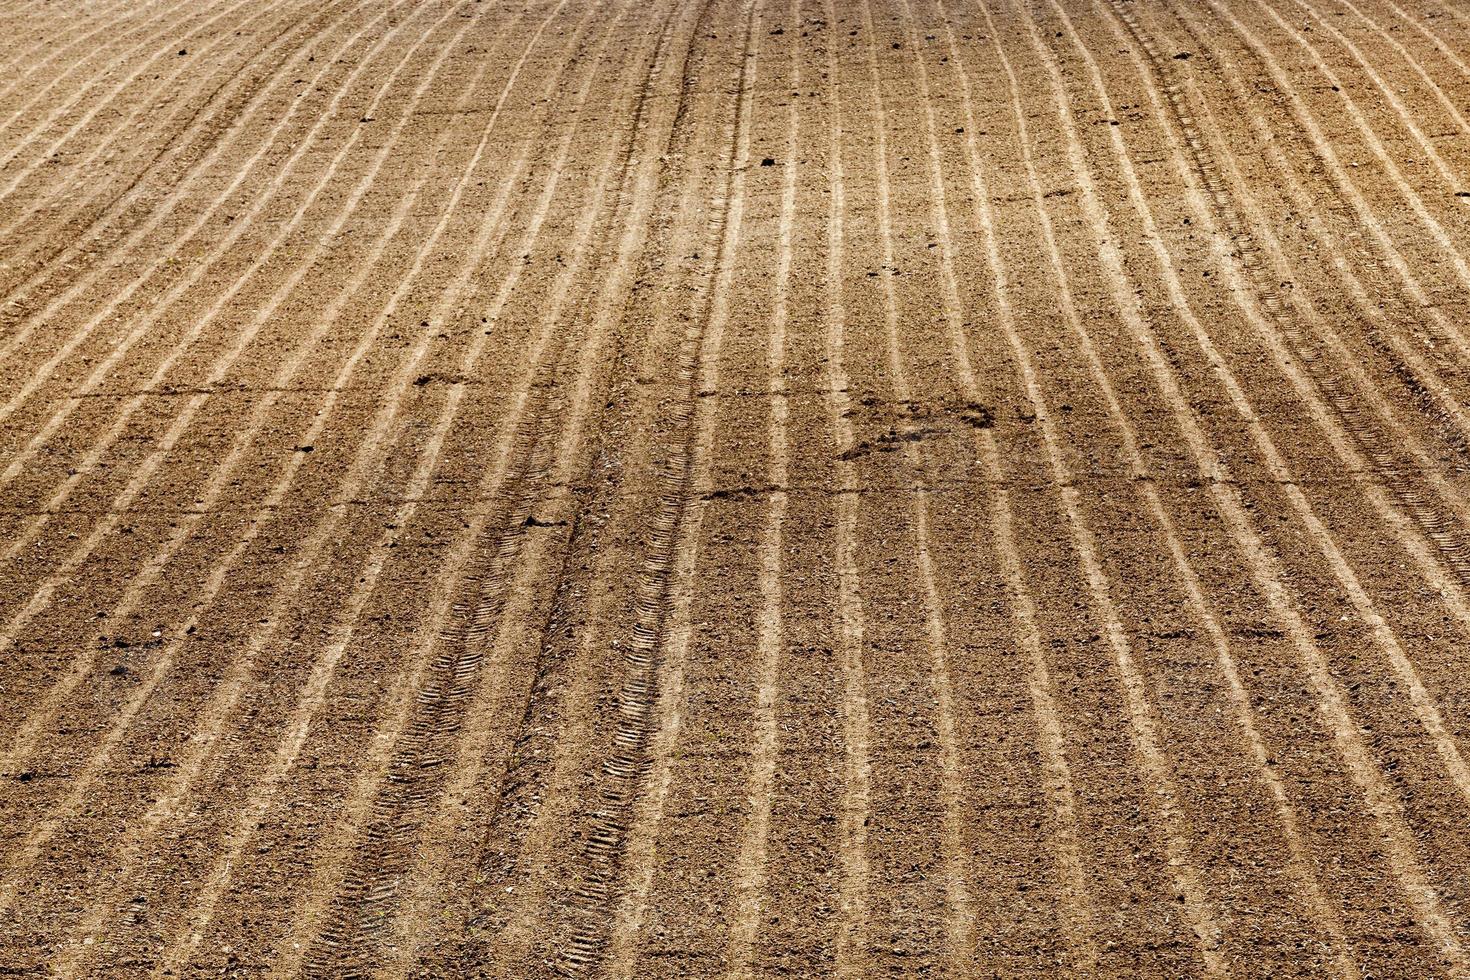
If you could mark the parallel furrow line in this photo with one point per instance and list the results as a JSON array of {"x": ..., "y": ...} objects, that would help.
[
  {"x": 166, "y": 56},
  {"x": 161, "y": 13},
  {"x": 583, "y": 498},
  {"x": 185, "y": 772},
  {"x": 1322, "y": 146},
  {"x": 35, "y": 23},
  {"x": 398, "y": 809},
  {"x": 82, "y": 190},
  {"x": 1388, "y": 36},
  {"x": 1420, "y": 547},
  {"x": 108, "y": 311},
  {"x": 1322, "y": 909},
  {"x": 1384, "y": 804},
  {"x": 491, "y": 233},
  {"x": 1405, "y": 116},
  {"x": 1079, "y": 924},
  {"x": 1170, "y": 817},
  {"x": 959, "y": 915},
  {"x": 62, "y": 264},
  {"x": 221, "y": 306},
  {"x": 1425, "y": 30},
  {"x": 1380, "y": 439},
  {"x": 58, "y": 577}
]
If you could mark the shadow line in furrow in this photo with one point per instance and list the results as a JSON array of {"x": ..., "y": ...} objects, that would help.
[{"x": 667, "y": 543}]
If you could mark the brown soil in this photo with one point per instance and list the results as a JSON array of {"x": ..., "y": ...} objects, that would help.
[{"x": 738, "y": 488}]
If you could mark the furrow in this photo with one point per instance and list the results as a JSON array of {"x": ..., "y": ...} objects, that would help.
[{"x": 750, "y": 874}]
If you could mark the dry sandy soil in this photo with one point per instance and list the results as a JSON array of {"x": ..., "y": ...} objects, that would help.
[{"x": 670, "y": 488}]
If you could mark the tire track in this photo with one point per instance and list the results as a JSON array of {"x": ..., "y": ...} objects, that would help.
[
  {"x": 521, "y": 825},
  {"x": 562, "y": 505},
  {"x": 622, "y": 830},
  {"x": 638, "y": 856},
  {"x": 1430, "y": 393},
  {"x": 442, "y": 721},
  {"x": 1386, "y": 807}
]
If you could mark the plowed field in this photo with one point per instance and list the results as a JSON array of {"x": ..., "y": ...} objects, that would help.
[{"x": 744, "y": 488}]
